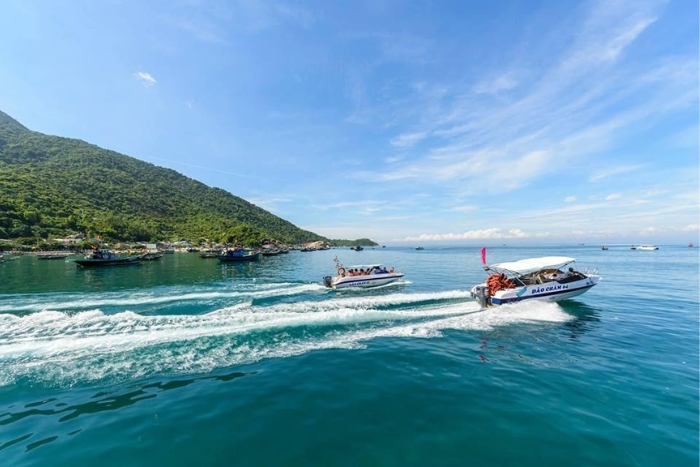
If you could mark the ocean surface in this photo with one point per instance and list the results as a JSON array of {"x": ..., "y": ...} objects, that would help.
[{"x": 186, "y": 361}]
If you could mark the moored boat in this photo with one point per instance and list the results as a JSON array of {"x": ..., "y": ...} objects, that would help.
[
  {"x": 371, "y": 275},
  {"x": 210, "y": 254},
  {"x": 546, "y": 278},
  {"x": 151, "y": 256},
  {"x": 100, "y": 258},
  {"x": 235, "y": 255},
  {"x": 271, "y": 252},
  {"x": 52, "y": 256}
]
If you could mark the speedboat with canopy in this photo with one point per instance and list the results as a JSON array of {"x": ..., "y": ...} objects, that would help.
[
  {"x": 368, "y": 275},
  {"x": 549, "y": 278}
]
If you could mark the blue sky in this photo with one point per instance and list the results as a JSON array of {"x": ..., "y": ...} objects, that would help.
[{"x": 401, "y": 121}]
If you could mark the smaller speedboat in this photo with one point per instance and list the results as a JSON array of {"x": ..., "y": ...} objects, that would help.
[
  {"x": 371, "y": 275},
  {"x": 546, "y": 278},
  {"x": 648, "y": 247}
]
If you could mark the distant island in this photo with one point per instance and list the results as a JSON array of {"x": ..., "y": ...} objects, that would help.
[{"x": 53, "y": 187}]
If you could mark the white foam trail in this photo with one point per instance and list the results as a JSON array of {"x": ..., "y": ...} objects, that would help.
[
  {"x": 58, "y": 348},
  {"x": 140, "y": 299}
]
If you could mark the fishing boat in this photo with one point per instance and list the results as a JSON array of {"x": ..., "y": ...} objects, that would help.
[
  {"x": 210, "y": 254},
  {"x": 605, "y": 248},
  {"x": 238, "y": 254},
  {"x": 420, "y": 248},
  {"x": 546, "y": 278},
  {"x": 151, "y": 256},
  {"x": 99, "y": 258},
  {"x": 48, "y": 256},
  {"x": 648, "y": 247},
  {"x": 371, "y": 275}
]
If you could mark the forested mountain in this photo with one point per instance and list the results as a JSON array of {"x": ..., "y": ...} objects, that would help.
[{"x": 53, "y": 186}]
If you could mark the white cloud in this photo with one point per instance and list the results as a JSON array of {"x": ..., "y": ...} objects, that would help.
[
  {"x": 691, "y": 228},
  {"x": 612, "y": 196},
  {"x": 569, "y": 199},
  {"x": 466, "y": 208},
  {"x": 406, "y": 140},
  {"x": 614, "y": 171},
  {"x": 502, "y": 83},
  {"x": 146, "y": 78}
]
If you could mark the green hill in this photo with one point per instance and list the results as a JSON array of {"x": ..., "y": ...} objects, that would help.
[{"x": 53, "y": 186}]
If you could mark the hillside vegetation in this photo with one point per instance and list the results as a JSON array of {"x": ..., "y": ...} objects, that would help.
[{"x": 52, "y": 187}]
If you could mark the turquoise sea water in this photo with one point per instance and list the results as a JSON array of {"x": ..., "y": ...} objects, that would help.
[{"x": 186, "y": 361}]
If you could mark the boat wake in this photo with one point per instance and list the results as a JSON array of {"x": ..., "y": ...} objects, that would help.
[{"x": 69, "y": 345}]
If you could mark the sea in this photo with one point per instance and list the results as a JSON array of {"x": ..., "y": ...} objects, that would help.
[{"x": 189, "y": 362}]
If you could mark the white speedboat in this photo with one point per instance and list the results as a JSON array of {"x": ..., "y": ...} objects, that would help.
[
  {"x": 368, "y": 275},
  {"x": 551, "y": 278},
  {"x": 648, "y": 247}
]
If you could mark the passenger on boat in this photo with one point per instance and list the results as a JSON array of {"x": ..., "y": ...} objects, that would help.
[{"x": 552, "y": 276}]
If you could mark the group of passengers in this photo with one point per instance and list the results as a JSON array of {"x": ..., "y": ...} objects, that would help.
[{"x": 368, "y": 271}]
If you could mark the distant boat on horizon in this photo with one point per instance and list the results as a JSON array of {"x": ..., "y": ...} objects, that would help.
[{"x": 420, "y": 248}]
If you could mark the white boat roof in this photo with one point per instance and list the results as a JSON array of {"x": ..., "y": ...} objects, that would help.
[
  {"x": 363, "y": 266},
  {"x": 533, "y": 264}
]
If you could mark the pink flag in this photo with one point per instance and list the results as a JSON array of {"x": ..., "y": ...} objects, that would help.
[{"x": 483, "y": 255}]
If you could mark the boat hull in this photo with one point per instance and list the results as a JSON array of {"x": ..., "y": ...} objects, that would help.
[
  {"x": 96, "y": 263},
  {"x": 372, "y": 280}
]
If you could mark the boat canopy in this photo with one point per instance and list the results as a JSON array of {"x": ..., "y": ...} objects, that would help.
[{"x": 525, "y": 266}]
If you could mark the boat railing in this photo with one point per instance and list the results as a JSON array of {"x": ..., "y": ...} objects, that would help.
[{"x": 593, "y": 271}]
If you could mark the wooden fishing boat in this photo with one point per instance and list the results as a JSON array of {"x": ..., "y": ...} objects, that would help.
[
  {"x": 100, "y": 258},
  {"x": 237, "y": 255}
]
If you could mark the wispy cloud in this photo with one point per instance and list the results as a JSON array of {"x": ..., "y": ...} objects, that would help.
[
  {"x": 617, "y": 170},
  {"x": 504, "y": 82},
  {"x": 269, "y": 204},
  {"x": 145, "y": 78},
  {"x": 612, "y": 197},
  {"x": 406, "y": 140},
  {"x": 569, "y": 199},
  {"x": 578, "y": 107},
  {"x": 465, "y": 208}
]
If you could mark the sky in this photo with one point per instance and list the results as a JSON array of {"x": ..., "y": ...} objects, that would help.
[{"x": 407, "y": 122}]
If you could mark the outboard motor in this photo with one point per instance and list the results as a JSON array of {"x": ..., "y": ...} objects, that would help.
[
  {"x": 328, "y": 281},
  {"x": 481, "y": 294}
]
